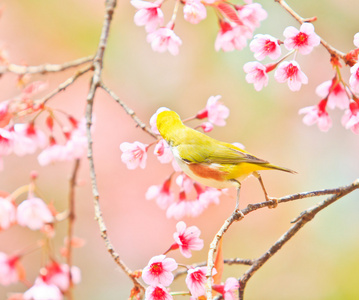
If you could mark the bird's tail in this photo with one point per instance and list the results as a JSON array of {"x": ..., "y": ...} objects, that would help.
[{"x": 274, "y": 167}]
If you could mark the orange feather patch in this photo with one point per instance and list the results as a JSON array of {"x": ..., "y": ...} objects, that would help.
[{"x": 206, "y": 171}]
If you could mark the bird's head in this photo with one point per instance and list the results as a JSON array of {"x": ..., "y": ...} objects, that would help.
[{"x": 167, "y": 122}]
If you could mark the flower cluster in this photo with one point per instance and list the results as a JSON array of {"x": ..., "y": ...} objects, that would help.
[
  {"x": 25, "y": 137},
  {"x": 135, "y": 155},
  {"x": 53, "y": 281},
  {"x": 158, "y": 272},
  {"x": 333, "y": 93},
  {"x": 236, "y": 22}
]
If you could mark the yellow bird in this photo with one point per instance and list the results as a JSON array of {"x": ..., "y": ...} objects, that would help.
[{"x": 210, "y": 162}]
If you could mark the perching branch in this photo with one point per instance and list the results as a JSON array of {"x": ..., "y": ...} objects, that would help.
[{"x": 300, "y": 221}]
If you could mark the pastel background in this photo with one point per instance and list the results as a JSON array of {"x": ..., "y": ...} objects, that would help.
[{"x": 321, "y": 262}]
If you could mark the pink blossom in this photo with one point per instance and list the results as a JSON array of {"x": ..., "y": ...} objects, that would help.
[
  {"x": 6, "y": 142},
  {"x": 164, "y": 39},
  {"x": 256, "y": 74},
  {"x": 265, "y": 45},
  {"x": 207, "y": 126},
  {"x": 187, "y": 239},
  {"x": 215, "y": 111},
  {"x": 184, "y": 182},
  {"x": 162, "y": 193},
  {"x": 194, "y": 11},
  {"x": 157, "y": 292},
  {"x": 207, "y": 195},
  {"x": 356, "y": 40},
  {"x": 231, "y": 37},
  {"x": 317, "y": 114},
  {"x": 33, "y": 213},
  {"x": 228, "y": 289},
  {"x": 351, "y": 117},
  {"x": 27, "y": 139},
  {"x": 149, "y": 14},
  {"x": 5, "y": 114},
  {"x": 291, "y": 72},
  {"x": 163, "y": 152},
  {"x": 41, "y": 290},
  {"x": 304, "y": 39},
  {"x": 159, "y": 270},
  {"x": 252, "y": 14},
  {"x": 196, "y": 280},
  {"x": 33, "y": 88},
  {"x": 153, "y": 119},
  {"x": 184, "y": 207},
  {"x": 354, "y": 78},
  {"x": 134, "y": 155},
  {"x": 7, "y": 213},
  {"x": 58, "y": 274},
  {"x": 337, "y": 95},
  {"x": 8, "y": 271}
]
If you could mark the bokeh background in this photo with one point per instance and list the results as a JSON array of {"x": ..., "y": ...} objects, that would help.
[{"x": 321, "y": 262}]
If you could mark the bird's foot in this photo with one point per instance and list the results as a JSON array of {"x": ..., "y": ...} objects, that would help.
[
  {"x": 272, "y": 205},
  {"x": 239, "y": 214}
]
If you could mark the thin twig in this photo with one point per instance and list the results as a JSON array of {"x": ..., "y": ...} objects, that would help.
[
  {"x": 95, "y": 83},
  {"x": 307, "y": 216},
  {"x": 42, "y": 69},
  {"x": 129, "y": 111},
  {"x": 65, "y": 84},
  {"x": 71, "y": 218},
  {"x": 333, "y": 51}
]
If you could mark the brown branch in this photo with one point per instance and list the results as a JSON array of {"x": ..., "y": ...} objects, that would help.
[
  {"x": 300, "y": 221},
  {"x": 71, "y": 218},
  {"x": 42, "y": 69},
  {"x": 129, "y": 111},
  {"x": 94, "y": 84},
  {"x": 333, "y": 51}
]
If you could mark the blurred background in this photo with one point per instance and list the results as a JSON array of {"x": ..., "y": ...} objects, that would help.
[{"x": 321, "y": 262}]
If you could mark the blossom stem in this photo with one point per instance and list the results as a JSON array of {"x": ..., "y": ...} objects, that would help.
[{"x": 174, "y": 15}]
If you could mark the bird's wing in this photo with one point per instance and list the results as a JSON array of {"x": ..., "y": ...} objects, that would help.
[{"x": 221, "y": 154}]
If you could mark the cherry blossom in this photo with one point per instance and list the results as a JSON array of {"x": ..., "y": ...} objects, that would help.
[
  {"x": 33, "y": 88},
  {"x": 256, "y": 74},
  {"x": 162, "y": 193},
  {"x": 350, "y": 118},
  {"x": 265, "y": 45},
  {"x": 184, "y": 207},
  {"x": 153, "y": 119},
  {"x": 27, "y": 139},
  {"x": 149, "y": 14},
  {"x": 159, "y": 271},
  {"x": 228, "y": 289},
  {"x": 187, "y": 239},
  {"x": 7, "y": 213},
  {"x": 33, "y": 213},
  {"x": 304, "y": 39},
  {"x": 252, "y": 14},
  {"x": 157, "y": 292},
  {"x": 58, "y": 274},
  {"x": 5, "y": 115},
  {"x": 317, "y": 114},
  {"x": 215, "y": 111},
  {"x": 194, "y": 11},
  {"x": 134, "y": 154},
  {"x": 231, "y": 36},
  {"x": 207, "y": 126},
  {"x": 41, "y": 290},
  {"x": 334, "y": 90},
  {"x": 164, "y": 39},
  {"x": 290, "y": 71},
  {"x": 196, "y": 280},
  {"x": 184, "y": 182},
  {"x": 207, "y": 195},
  {"x": 163, "y": 152},
  {"x": 356, "y": 40},
  {"x": 8, "y": 271},
  {"x": 354, "y": 78},
  {"x": 6, "y": 142}
]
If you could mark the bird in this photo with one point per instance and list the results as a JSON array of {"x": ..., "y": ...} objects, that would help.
[{"x": 209, "y": 161}]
